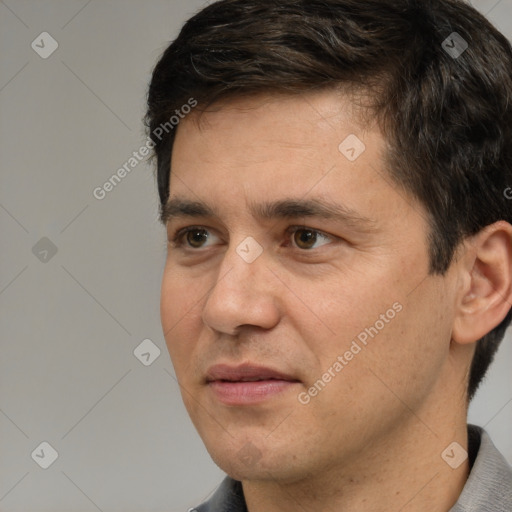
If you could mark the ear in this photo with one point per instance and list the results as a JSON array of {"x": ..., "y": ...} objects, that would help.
[{"x": 486, "y": 295}]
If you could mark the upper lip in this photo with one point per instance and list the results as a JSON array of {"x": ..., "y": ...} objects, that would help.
[{"x": 244, "y": 372}]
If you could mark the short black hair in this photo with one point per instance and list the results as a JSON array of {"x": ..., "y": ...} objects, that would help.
[{"x": 439, "y": 75}]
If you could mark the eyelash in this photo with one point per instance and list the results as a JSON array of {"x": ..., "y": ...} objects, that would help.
[{"x": 178, "y": 236}]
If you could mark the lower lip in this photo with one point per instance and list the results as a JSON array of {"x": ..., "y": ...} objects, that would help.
[{"x": 247, "y": 393}]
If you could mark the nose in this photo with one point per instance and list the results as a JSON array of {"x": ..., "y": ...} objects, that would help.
[{"x": 244, "y": 294}]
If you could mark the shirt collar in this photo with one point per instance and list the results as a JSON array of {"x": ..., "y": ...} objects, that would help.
[{"x": 489, "y": 484}]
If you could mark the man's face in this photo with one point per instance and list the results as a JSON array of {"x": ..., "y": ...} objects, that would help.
[{"x": 303, "y": 293}]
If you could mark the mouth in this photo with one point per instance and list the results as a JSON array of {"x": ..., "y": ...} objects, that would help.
[{"x": 247, "y": 384}]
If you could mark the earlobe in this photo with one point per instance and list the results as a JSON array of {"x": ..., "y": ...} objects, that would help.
[{"x": 487, "y": 295}]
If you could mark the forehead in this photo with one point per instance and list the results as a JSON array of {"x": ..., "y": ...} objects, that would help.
[
  {"x": 302, "y": 114},
  {"x": 271, "y": 147},
  {"x": 275, "y": 136}
]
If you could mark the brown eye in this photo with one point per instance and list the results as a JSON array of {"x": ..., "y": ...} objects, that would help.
[
  {"x": 308, "y": 239},
  {"x": 305, "y": 238},
  {"x": 196, "y": 237}
]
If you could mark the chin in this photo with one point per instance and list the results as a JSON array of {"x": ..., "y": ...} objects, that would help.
[{"x": 247, "y": 462}]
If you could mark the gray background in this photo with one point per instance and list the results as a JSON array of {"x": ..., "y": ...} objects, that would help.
[{"x": 70, "y": 323}]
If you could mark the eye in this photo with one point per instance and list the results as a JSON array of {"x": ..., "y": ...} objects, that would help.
[
  {"x": 306, "y": 238},
  {"x": 194, "y": 237},
  {"x": 197, "y": 237}
]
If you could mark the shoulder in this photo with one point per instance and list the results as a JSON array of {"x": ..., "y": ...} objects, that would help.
[{"x": 489, "y": 485}]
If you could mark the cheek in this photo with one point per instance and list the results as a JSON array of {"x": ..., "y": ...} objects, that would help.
[
  {"x": 347, "y": 306},
  {"x": 179, "y": 294},
  {"x": 379, "y": 324},
  {"x": 407, "y": 357},
  {"x": 179, "y": 312}
]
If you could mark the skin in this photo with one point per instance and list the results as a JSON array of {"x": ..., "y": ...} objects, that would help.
[{"x": 372, "y": 438}]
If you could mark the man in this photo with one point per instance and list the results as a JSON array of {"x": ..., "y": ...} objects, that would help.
[{"x": 333, "y": 177}]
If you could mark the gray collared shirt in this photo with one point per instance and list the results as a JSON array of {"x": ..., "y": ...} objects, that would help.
[{"x": 488, "y": 487}]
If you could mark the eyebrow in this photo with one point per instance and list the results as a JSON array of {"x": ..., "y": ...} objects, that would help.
[{"x": 288, "y": 208}]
